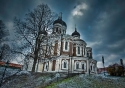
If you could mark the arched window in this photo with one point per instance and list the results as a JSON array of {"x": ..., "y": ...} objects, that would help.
[
  {"x": 46, "y": 66},
  {"x": 78, "y": 50},
  {"x": 91, "y": 67},
  {"x": 57, "y": 29},
  {"x": 84, "y": 51},
  {"x": 65, "y": 65},
  {"x": 77, "y": 65},
  {"x": 63, "y": 31},
  {"x": 87, "y": 54},
  {"x": 82, "y": 66},
  {"x": 66, "y": 45},
  {"x": 60, "y": 31}
]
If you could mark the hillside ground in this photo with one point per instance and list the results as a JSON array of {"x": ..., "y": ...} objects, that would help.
[{"x": 25, "y": 79}]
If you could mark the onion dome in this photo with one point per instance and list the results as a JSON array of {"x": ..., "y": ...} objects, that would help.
[
  {"x": 60, "y": 21},
  {"x": 75, "y": 33}
]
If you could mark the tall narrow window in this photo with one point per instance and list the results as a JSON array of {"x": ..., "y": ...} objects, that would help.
[
  {"x": 82, "y": 66},
  {"x": 87, "y": 54},
  {"x": 77, "y": 65},
  {"x": 57, "y": 29},
  {"x": 60, "y": 31},
  {"x": 84, "y": 51},
  {"x": 91, "y": 67},
  {"x": 78, "y": 50},
  {"x": 46, "y": 66},
  {"x": 65, "y": 65},
  {"x": 66, "y": 45}
]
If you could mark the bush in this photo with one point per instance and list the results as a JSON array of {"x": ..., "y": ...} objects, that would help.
[{"x": 115, "y": 70}]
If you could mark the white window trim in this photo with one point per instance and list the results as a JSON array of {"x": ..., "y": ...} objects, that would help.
[
  {"x": 75, "y": 65},
  {"x": 63, "y": 64},
  {"x": 67, "y": 46},
  {"x": 84, "y": 65},
  {"x": 79, "y": 54},
  {"x": 78, "y": 50},
  {"x": 46, "y": 64},
  {"x": 90, "y": 66},
  {"x": 93, "y": 67},
  {"x": 84, "y": 51}
]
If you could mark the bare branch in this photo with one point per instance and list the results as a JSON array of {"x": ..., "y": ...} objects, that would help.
[{"x": 36, "y": 21}]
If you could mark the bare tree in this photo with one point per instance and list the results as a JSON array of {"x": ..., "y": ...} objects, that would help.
[
  {"x": 2, "y": 30},
  {"x": 4, "y": 47},
  {"x": 5, "y": 53},
  {"x": 32, "y": 30}
]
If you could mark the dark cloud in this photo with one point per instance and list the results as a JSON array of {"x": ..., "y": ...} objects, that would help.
[
  {"x": 102, "y": 26},
  {"x": 11, "y": 8},
  {"x": 101, "y": 23}
]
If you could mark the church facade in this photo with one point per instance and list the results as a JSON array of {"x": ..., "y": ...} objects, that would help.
[{"x": 65, "y": 53}]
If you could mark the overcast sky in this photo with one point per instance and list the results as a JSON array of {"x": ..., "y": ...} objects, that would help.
[{"x": 101, "y": 23}]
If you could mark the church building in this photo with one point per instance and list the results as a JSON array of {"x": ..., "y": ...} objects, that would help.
[{"x": 62, "y": 52}]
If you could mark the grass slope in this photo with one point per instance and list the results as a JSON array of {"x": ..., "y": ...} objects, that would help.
[
  {"x": 40, "y": 80},
  {"x": 86, "y": 81}
]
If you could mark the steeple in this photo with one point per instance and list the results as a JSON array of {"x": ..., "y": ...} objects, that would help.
[
  {"x": 75, "y": 28},
  {"x": 59, "y": 20},
  {"x": 75, "y": 33}
]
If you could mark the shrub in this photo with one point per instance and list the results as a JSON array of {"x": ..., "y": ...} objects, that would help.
[{"x": 115, "y": 70}]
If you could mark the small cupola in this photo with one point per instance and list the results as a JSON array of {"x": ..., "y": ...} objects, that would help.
[
  {"x": 75, "y": 33},
  {"x": 60, "y": 21},
  {"x": 59, "y": 26}
]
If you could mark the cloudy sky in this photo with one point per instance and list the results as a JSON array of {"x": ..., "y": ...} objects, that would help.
[{"x": 101, "y": 23}]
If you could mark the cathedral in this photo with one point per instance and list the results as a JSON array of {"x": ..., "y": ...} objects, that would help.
[{"x": 62, "y": 52}]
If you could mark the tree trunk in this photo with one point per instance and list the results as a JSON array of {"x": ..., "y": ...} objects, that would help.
[
  {"x": 34, "y": 65},
  {"x": 37, "y": 47},
  {"x": 35, "y": 59}
]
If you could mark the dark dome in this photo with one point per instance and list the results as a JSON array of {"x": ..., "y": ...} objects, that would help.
[
  {"x": 75, "y": 33},
  {"x": 60, "y": 21}
]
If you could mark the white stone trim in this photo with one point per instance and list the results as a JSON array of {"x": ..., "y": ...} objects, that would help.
[
  {"x": 75, "y": 65},
  {"x": 83, "y": 62},
  {"x": 46, "y": 66},
  {"x": 67, "y": 46},
  {"x": 78, "y": 54},
  {"x": 84, "y": 53},
  {"x": 67, "y": 64},
  {"x": 92, "y": 67}
]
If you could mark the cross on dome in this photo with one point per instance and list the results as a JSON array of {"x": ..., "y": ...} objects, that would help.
[
  {"x": 75, "y": 28},
  {"x": 60, "y": 15},
  {"x": 59, "y": 20}
]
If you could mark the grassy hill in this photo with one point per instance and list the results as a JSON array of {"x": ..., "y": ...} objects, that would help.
[
  {"x": 25, "y": 79},
  {"x": 86, "y": 81}
]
